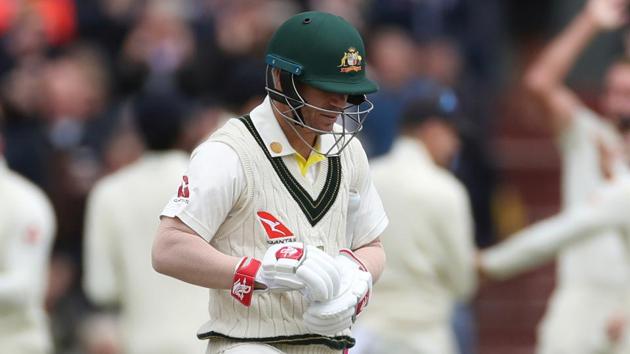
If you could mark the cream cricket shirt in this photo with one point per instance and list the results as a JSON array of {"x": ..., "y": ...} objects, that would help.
[
  {"x": 429, "y": 247},
  {"x": 27, "y": 228},
  {"x": 247, "y": 170},
  {"x": 219, "y": 177},
  {"x": 158, "y": 314},
  {"x": 582, "y": 176}
]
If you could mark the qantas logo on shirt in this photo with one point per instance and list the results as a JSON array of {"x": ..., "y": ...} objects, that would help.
[
  {"x": 276, "y": 231},
  {"x": 183, "y": 191}
]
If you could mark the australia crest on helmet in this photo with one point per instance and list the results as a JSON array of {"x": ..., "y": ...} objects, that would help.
[{"x": 351, "y": 61}]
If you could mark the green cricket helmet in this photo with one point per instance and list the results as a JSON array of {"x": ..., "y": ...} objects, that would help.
[{"x": 326, "y": 52}]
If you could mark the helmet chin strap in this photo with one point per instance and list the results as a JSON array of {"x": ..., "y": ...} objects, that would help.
[{"x": 289, "y": 96}]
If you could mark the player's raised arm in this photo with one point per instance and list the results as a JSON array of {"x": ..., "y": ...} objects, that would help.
[{"x": 545, "y": 79}]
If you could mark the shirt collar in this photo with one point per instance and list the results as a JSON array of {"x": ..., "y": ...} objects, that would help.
[{"x": 271, "y": 133}]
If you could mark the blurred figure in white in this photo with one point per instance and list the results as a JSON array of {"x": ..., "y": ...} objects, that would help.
[
  {"x": 27, "y": 228},
  {"x": 592, "y": 274},
  {"x": 157, "y": 314},
  {"x": 429, "y": 242},
  {"x": 605, "y": 210}
]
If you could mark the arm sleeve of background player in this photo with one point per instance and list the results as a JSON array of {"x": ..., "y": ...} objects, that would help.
[
  {"x": 540, "y": 242},
  {"x": 25, "y": 273},
  {"x": 456, "y": 224},
  {"x": 215, "y": 182},
  {"x": 99, "y": 280}
]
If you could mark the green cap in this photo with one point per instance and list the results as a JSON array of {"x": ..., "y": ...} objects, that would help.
[{"x": 322, "y": 50}]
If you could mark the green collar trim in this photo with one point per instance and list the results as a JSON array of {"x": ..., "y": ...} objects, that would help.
[{"x": 314, "y": 210}]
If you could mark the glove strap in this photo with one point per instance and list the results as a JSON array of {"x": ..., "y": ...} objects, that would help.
[
  {"x": 363, "y": 302},
  {"x": 347, "y": 252},
  {"x": 244, "y": 280}
]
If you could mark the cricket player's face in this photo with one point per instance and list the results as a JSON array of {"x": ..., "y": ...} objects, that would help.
[
  {"x": 616, "y": 98},
  {"x": 318, "y": 119}
]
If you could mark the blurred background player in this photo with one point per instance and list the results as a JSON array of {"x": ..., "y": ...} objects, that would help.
[
  {"x": 27, "y": 229},
  {"x": 429, "y": 243},
  {"x": 605, "y": 210},
  {"x": 157, "y": 314},
  {"x": 592, "y": 275}
]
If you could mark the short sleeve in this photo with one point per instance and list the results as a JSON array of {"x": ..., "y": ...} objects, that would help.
[
  {"x": 366, "y": 215},
  {"x": 209, "y": 189}
]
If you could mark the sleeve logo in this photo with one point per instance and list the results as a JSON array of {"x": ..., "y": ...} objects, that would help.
[{"x": 183, "y": 191}]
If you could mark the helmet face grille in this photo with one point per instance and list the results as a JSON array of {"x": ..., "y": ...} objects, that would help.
[{"x": 349, "y": 122}]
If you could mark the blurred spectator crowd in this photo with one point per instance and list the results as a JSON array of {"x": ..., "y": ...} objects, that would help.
[{"x": 70, "y": 70}]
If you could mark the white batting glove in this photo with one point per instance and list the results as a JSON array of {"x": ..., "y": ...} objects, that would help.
[
  {"x": 286, "y": 267},
  {"x": 333, "y": 316}
]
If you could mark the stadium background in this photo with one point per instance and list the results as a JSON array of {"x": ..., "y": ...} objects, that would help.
[{"x": 69, "y": 70}]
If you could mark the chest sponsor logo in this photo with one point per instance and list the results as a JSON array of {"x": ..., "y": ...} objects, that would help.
[{"x": 276, "y": 231}]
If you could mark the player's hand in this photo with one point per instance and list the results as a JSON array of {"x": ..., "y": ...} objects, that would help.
[
  {"x": 286, "y": 267},
  {"x": 615, "y": 327},
  {"x": 294, "y": 266},
  {"x": 479, "y": 268},
  {"x": 333, "y": 316},
  {"x": 607, "y": 14}
]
